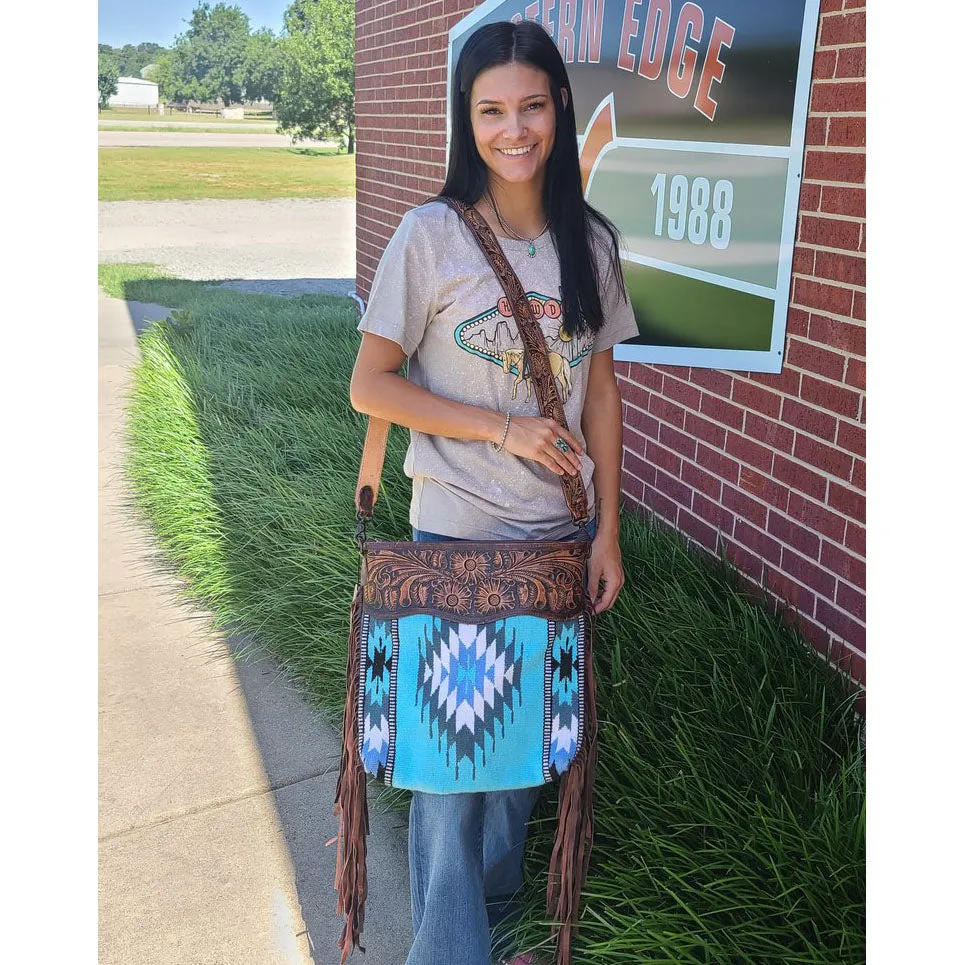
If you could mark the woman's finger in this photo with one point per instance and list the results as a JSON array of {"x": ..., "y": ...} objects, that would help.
[{"x": 571, "y": 458}]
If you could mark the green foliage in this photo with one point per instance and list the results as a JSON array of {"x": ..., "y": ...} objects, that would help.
[
  {"x": 130, "y": 59},
  {"x": 107, "y": 74},
  {"x": 317, "y": 95},
  {"x": 730, "y": 794},
  {"x": 262, "y": 67},
  {"x": 208, "y": 60}
]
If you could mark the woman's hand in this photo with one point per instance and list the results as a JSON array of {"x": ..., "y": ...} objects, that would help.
[
  {"x": 534, "y": 437},
  {"x": 606, "y": 564}
]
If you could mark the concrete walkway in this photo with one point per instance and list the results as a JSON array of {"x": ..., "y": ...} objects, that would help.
[
  {"x": 202, "y": 139},
  {"x": 216, "y": 779}
]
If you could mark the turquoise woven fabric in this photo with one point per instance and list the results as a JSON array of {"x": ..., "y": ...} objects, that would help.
[{"x": 449, "y": 707}]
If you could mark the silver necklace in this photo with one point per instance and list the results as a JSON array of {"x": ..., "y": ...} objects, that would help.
[{"x": 530, "y": 241}]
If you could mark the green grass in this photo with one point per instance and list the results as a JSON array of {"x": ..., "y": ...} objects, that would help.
[
  {"x": 730, "y": 790},
  {"x": 184, "y": 173}
]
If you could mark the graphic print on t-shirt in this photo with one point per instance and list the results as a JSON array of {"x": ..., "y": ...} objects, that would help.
[{"x": 494, "y": 335}]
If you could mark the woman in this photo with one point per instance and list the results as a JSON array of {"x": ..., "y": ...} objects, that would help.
[{"x": 484, "y": 464}]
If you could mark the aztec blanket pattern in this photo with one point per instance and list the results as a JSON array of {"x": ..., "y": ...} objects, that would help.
[{"x": 482, "y": 701}]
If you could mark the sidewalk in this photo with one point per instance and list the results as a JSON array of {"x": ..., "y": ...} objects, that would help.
[{"x": 216, "y": 779}]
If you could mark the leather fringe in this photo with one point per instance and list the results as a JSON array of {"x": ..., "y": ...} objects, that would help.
[
  {"x": 351, "y": 804},
  {"x": 569, "y": 865}
]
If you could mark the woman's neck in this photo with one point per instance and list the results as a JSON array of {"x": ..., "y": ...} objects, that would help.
[{"x": 520, "y": 206}]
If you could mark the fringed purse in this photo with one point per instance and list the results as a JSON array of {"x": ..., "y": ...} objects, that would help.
[{"x": 470, "y": 663}]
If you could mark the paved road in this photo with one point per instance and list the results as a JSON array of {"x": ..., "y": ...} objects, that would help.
[
  {"x": 288, "y": 246},
  {"x": 252, "y": 126},
  {"x": 215, "y": 776},
  {"x": 187, "y": 139}
]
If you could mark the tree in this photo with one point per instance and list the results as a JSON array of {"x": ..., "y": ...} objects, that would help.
[
  {"x": 262, "y": 67},
  {"x": 208, "y": 60},
  {"x": 107, "y": 74},
  {"x": 317, "y": 94}
]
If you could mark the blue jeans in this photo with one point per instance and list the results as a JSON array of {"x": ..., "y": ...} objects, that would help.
[{"x": 465, "y": 865}]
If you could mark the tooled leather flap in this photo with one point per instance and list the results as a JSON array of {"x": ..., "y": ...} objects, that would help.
[{"x": 476, "y": 581}]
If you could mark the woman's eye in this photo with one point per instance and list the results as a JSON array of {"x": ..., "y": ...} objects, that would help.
[{"x": 495, "y": 110}]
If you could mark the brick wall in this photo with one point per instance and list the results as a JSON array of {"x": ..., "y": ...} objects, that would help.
[{"x": 768, "y": 469}]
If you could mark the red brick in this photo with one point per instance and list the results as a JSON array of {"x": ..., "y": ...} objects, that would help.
[
  {"x": 803, "y": 261},
  {"x": 809, "y": 197},
  {"x": 843, "y": 625},
  {"x": 659, "y": 504},
  {"x": 799, "y": 477},
  {"x": 852, "y": 504},
  {"x": 823, "y": 457},
  {"x": 632, "y": 488},
  {"x": 827, "y": 165},
  {"x": 651, "y": 377},
  {"x": 752, "y": 396},
  {"x": 852, "y": 437},
  {"x": 638, "y": 467},
  {"x": 759, "y": 542},
  {"x": 775, "y": 435},
  {"x": 834, "y": 266},
  {"x": 719, "y": 383},
  {"x": 851, "y": 202},
  {"x": 663, "y": 458},
  {"x": 718, "y": 464},
  {"x": 683, "y": 392},
  {"x": 798, "y": 321},
  {"x": 817, "y": 516},
  {"x": 858, "y": 477},
  {"x": 667, "y": 411},
  {"x": 808, "y": 573},
  {"x": 704, "y": 430},
  {"x": 744, "y": 506},
  {"x": 703, "y": 533},
  {"x": 830, "y": 5},
  {"x": 847, "y": 132},
  {"x": 677, "y": 441},
  {"x": 786, "y": 381},
  {"x": 851, "y": 62},
  {"x": 701, "y": 480},
  {"x": 746, "y": 562},
  {"x": 856, "y": 374},
  {"x": 829, "y": 395},
  {"x": 642, "y": 421},
  {"x": 829, "y": 232},
  {"x": 817, "y": 126},
  {"x": 715, "y": 515},
  {"x": 671, "y": 486},
  {"x": 830, "y": 97},
  {"x": 793, "y": 534},
  {"x": 842, "y": 28},
  {"x": 824, "y": 67},
  {"x": 721, "y": 411},
  {"x": 856, "y": 539},
  {"x": 852, "y": 600},
  {"x": 749, "y": 452},
  {"x": 809, "y": 419},
  {"x": 814, "y": 358},
  {"x": 860, "y": 306},
  {"x": 634, "y": 393},
  {"x": 821, "y": 296},
  {"x": 770, "y": 491},
  {"x": 845, "y": 336},
  {"x": 799, "y": 597}
]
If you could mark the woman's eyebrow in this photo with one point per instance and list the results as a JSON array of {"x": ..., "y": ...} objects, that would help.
[{"x": 526, "y": 98}]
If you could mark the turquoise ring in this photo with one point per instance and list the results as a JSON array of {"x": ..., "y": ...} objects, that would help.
[{"x": 562, "y": 445}]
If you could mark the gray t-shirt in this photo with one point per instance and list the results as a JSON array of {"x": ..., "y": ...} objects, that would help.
[{"x": 435, "y": 295}]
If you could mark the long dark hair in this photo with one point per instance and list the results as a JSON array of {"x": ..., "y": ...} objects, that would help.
[{"x": 569, "y": 213}]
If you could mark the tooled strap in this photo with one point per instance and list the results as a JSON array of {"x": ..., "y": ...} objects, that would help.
[{"x": 537, "y": 366}]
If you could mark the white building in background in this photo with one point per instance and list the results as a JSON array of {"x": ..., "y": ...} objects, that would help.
[{"x": 134, "y": 92}]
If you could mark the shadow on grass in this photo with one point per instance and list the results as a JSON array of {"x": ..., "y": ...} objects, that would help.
[{"x": 730, "y": 789}]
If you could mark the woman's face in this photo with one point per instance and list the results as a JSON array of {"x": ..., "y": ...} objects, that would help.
[{"x": 512, "y": 108}]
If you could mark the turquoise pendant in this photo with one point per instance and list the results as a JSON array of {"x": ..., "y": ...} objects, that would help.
[{"x": 532, "y": 249}]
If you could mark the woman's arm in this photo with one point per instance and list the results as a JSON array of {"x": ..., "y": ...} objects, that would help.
[
  {"x": 378, "y": 390},
  {"x": 602, "y": 425}
]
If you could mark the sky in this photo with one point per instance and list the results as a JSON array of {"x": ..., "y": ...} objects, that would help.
[{"x": 122, "y": 22}]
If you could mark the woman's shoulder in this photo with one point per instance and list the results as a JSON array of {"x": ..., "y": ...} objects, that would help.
[{"x": 432, "y": 214}]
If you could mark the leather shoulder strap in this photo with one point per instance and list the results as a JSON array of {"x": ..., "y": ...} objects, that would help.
[{"x": 537, "y": 366}]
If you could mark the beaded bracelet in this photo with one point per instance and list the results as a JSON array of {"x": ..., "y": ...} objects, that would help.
[{"x": 505, "y": 432}]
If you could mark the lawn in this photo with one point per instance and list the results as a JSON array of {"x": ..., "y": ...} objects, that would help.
[
  {"x": 731, "y": 787},
  {"x": 184, "y": 173}
]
